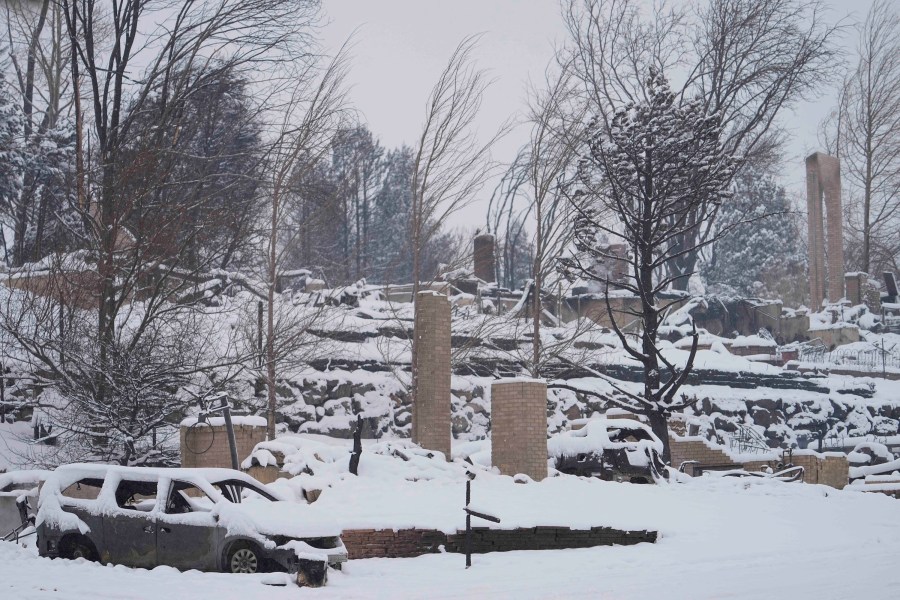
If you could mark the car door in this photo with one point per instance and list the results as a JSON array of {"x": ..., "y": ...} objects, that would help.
[
  {"x": 130, "y": 527},
  {"x": 80, "y": 499},
  {"x": 186, "y": 529}
]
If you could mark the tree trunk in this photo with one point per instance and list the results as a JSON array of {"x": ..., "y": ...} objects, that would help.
[
  {"x": 270, "y": 321},
  {"x": 536, "y": 294},
  {"x": 659, "y": 424}
]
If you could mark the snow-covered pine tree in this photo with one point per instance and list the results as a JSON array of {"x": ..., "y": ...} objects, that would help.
[
  {"x": 652, "y": 174},
  {"x": 757, "y": 257},
  {"x": 11, "y": 155}
]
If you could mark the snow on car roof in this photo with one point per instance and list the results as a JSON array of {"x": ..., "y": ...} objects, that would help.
[{"x": 211, "y": 475}]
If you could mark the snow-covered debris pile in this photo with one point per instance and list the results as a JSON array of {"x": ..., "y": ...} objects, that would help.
[
  {"x": 315, "y": 464},
  {"x": 600, "y": 435}
]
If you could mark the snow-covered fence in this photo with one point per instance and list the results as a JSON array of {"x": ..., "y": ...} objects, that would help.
[{"x": 873, "y": 359}]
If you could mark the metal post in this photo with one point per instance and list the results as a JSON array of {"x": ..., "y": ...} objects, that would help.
[
  {"x": 62, "y": 356},
  {"x": 259, "y": 329},
  {"x": 468, "y": 524},
  {"x": 232, "y": 443}
]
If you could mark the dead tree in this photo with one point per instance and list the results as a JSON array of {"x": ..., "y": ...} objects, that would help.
[
  {"x": 556, "y": 127},
  {"x": 451, "y": 162},
  {"x": 654, "y": 170},
  {"x": 314, "y": 112},
  {"x": 745, "y": 61},
  {"x": 864, "y": 132}
]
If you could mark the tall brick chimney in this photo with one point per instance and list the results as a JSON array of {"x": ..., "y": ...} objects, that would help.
[
  {"x": 823, "y": 187},
  {"x": 431, "y": 404},
  {"x": 484, "y": 257}
]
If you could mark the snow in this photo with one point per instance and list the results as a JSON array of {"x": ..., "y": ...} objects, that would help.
[
  {"x": 743, "y": 341},
  {"x": 595, "y": 437},
  {"x": 252, "y": 517},
  {"x": 719, "y": 538},
  {"x": 869, "y": 470},
  {"x": 253, "y": 421}
]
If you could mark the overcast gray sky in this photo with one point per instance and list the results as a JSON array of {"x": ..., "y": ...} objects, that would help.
[{"x": 401, "y": 46}]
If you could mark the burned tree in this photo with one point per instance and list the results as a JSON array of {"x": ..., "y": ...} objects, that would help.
[
  {"x": 645, "y": 173},
  {"x": 744, "y": 61}
]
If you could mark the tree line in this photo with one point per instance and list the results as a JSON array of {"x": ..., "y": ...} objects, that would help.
[{"x": 223, "y": 141}]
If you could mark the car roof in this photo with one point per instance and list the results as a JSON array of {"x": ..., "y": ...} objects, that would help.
[{"x": 211, "y": 475}]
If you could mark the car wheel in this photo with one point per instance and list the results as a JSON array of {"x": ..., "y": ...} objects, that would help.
[
  {"x": 243, "y": 558},
  {"x": 73, "y": 548}
]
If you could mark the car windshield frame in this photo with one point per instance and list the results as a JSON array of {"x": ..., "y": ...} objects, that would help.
[{"x": 223, "y": 487}]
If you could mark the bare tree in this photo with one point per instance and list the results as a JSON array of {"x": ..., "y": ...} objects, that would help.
[
  {"x": 507, "y": 214},
  {"x": 747, "y": 61},
  {"x": 555, "y": 137},
  {"x": 451, "y": 163},
  {"x": 653, "y": 169},
  {"x": 314, "y": 112},
  {"x": 47, "y": 333},
  {"x": 185, "y": 39},
  {"x": 864, "y": 132}
]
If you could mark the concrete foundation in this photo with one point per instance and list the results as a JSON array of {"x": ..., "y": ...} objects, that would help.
[{"x": 519, "y": 427}]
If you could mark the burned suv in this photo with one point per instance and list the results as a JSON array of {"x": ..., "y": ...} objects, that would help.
[
  {"x": 206, "y": 519},
  {"x": 611, "y": 449}
]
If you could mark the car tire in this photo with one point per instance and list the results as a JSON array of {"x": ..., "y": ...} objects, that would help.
[
  {"x": 244, "y": 558},
  {"x": 77, "y": 547}
]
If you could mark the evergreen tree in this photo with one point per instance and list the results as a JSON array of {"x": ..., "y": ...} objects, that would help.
[
  {"x": 392, "y": 257},
  {"x": 11, "y": 155},
  {"x": 764, "y": 255}
]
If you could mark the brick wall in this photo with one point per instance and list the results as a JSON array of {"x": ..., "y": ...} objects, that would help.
[
  {"x": 483, "y": 257},
  {"x": 855, "y": 285},
  {"x": 405, "y": 543},
  {"x": 207, "y": 445},
  {"x": 519, "y": 427},
  {"x": 431, "y": 405}
]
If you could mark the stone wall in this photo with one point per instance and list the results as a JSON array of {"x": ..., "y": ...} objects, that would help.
[
  {"x": 519, "y": 427},
  {"x": 405, "y": 543},
  {"x": 431, "y": 405},
  {"x": 207, "y": 445}
]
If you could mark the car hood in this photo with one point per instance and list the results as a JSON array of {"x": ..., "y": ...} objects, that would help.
[{"x": 261, "y": 517}]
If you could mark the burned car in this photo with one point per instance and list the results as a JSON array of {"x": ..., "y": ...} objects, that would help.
[
  {"x": 18, "y": 502},
  {"x": 205, "y": 519},
  {"x": 611, "y": 449}
]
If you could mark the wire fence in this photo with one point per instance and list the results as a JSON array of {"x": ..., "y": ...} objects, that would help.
[{"x": 871, "y": 359}]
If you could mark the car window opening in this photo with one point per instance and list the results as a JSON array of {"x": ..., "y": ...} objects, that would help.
[
  {"x": 136, "y": 495},
  {"x": 84, "y": 489},
  {"x": 186, "y": 497}
]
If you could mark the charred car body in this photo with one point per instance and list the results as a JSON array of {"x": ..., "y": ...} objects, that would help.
[
  {"x": 611, "y": 449},
  {"x": 205, "y": 519}
]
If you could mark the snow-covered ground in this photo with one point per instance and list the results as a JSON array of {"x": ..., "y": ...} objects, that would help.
[{"x": 719, "y": 538}]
